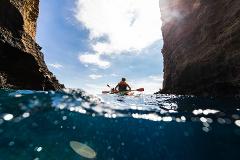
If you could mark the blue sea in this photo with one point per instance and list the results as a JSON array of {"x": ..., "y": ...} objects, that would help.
[{"x": 41, "y": 125}]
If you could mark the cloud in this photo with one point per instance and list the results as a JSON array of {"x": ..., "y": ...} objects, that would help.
[
  {"x": 114, "y": 75},
  {"x": 156, "y": 77},
  {"x": 95, "y": 76},
  {"x": 118, "y": 26},
  {"x": 56, "y": 65},
  {"x": 94, "y": 59},
  {"x": 94, "y": 89}
]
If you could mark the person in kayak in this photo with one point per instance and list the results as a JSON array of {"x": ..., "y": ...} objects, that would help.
[{"x": 123, "y": 86}]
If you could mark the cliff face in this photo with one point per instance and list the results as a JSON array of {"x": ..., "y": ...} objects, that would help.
[
  {"x": 22, "y": 63},
  {"x": 201, "y": 46}
]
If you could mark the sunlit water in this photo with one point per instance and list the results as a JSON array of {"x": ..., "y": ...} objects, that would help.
[{"x": 48, "y": 125}]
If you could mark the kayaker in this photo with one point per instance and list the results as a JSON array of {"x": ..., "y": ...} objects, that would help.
[{"x": 123, "y": 86}]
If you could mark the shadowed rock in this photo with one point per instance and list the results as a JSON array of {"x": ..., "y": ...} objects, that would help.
[
  {"x": 22, "y": 63},
  {"x": 201, "y": 47}
]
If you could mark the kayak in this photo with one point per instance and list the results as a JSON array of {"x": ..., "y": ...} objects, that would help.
[{"x": 125, "y": 93}]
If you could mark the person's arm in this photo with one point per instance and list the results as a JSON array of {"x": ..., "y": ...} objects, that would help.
[
  {"x": 116, "y": 86},
  {"x": 129, "y": 88}
]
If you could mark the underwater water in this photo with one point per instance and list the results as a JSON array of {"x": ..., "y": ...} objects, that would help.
[{"x": 72, "y": 125}]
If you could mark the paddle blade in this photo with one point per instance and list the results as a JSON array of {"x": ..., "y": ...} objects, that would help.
[
  {"x": 105, "y": 92},
  {"x": 140, "y": 89}
]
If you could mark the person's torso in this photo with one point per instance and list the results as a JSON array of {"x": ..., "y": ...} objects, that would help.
[{"x": 122, "y": 86}]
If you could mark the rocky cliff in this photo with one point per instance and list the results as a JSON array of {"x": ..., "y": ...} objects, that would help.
[
  {"x": 201, "y": 47},
  {"x": 22, "y": 63}
]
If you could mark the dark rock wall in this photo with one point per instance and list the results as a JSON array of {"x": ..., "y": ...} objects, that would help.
[
  {"x": 22, "y": 63},
  {"x": 201, "y": 47}
]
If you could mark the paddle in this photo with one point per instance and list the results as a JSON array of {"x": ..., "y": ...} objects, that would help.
[
  {"x": 105, "y": 92},
  {"x": 139, "y": 90}
]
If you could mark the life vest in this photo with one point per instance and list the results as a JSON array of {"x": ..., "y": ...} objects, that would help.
[{"x": 122, "y": 86}]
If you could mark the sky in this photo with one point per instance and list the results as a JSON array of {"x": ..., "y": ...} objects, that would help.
[{"x": 88, "y": 44}]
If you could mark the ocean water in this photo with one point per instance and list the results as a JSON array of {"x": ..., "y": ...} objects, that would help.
[{"x": 41, "y": 125}]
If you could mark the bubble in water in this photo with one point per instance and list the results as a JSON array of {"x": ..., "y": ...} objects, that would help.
[
  {"x": 209, "y": 120},
  {"x": 55, "y": 122},
  {"x": 237, "y": 122},
  {"x": 11, "y": 143},
  {"x": 205, "y": 112},
  {"x": 83, "y": 150},
  {"x": 152, "y": 117},
  {"x": 228, "y": 121},
  {"x": 64, "y": 118},
  {"x": 8, "y": 117},
  {"x": 203, "y": 119},
  {"x": 206, "y": 124},
  {"x": 235, "y": 116},
  {"x": 221, "y": 120},
  {"x": 183, "y": 118},
  {"x": 178, "y": 120},
  {"x": 26, "y": 115},
  {"x": 205, "y": 129},
  {"x": 167, "y": 119},
  {"x": 114, "y": 115},
  {"x": 18, "y": 95},
  {"x": 38, "y": 149},
  {"x": 197, "y": 112},
  {"x": 210, "y": 111}
]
